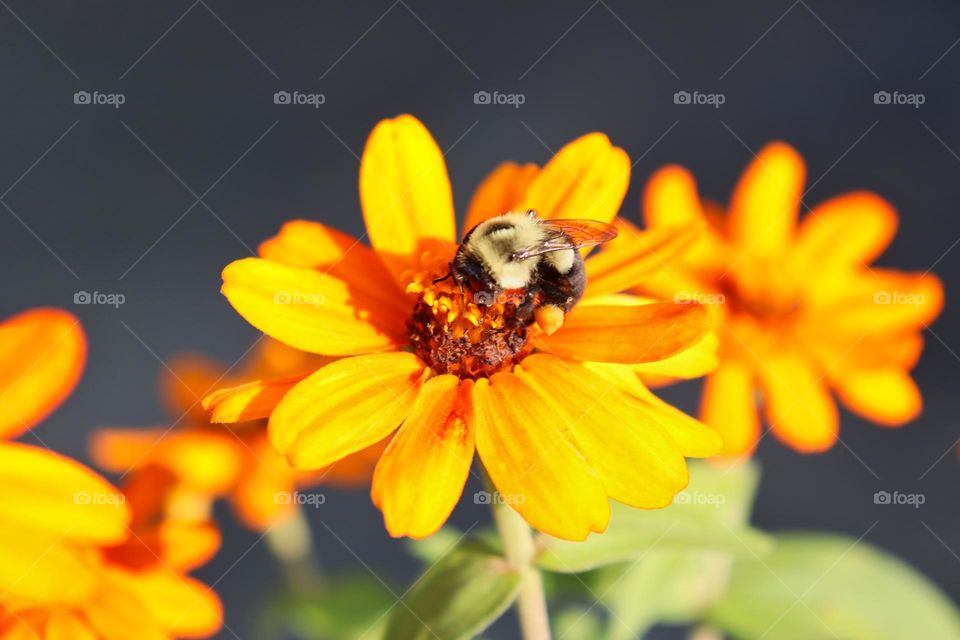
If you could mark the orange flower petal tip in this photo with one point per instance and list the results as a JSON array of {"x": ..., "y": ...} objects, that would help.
[{"x": 549, "y": 318}]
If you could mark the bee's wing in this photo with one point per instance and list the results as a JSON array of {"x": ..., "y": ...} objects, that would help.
[{"x": 568, "y": 234}]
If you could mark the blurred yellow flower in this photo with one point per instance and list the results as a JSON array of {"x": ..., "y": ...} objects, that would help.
[
  {"x": 802, "y": 312},
  {"x": 560, "y": 422}
]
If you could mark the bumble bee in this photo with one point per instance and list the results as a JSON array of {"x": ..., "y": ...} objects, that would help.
[{"x": 537, "y": 261}]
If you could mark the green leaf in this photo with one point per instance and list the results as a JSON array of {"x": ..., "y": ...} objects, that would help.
[
  {"x": 578, "y": 623},
  {"x": 708, "y": 516},
  {"x": 459, "y": 597},
  {"x": 820, "y": 585}
]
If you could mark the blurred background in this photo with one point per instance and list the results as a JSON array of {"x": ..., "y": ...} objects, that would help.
[{"x": 178, "y": 160}]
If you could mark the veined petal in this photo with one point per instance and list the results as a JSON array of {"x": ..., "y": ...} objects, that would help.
[
  {"x": 637, "y": 461},
  {"x": 251, "y": 401},
  {"x": 344, "y": 407},
  {"x": 46, "y": 492},
  {"x": 729, "y": 405},
  {"x": 421, "y": 475},
  {"x": 405, "y": 193},
  {"x": 697, "y": 361},
  {"x": 888, "y": 397},
  {"x": 627, "y": 334},
  {"x": 42, "y": 352},
  {"x": 588, "y": 178},
  {"x": 312, "y": 311},
  {"x": 532, "y": 460},
  {"x": 850, "y": 230},
  {"x": 797, "y": 402},
  {"x": 500, "y": 192},
  {"x": 766, "y": 201}
]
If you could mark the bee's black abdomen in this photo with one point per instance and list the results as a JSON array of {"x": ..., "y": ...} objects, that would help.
[{"x": 561, "y": 289}]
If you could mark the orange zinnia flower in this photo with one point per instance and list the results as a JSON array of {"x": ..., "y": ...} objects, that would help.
[
  {"x": 62, "y": 524},
  {"x": 560, "y": 422},
  {"x": 194, "y": 462},
  {"x": 802, "y": 312}
]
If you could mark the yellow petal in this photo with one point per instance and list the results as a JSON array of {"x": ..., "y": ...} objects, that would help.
[
  {"x": 797, "y": 402},
  {"x": 185, "y": 380},
  {"x": 312, "y": 311},
  {"x": 883, "y": 302},
  {"x": 637, "y": 461},
  {"x": 175, "y": 604},
  {"x": 344, "y": 407},
  {"x": 67, "y": 626},
  {"x": 697, "y": 361},
  {"x": 888, "y": 397},
  {"x": 500, "y": 192},
  {"x": 251, "y": 401},
  {"x": 729, "y": 406},
  {"x": 532, "y": 461},
  {"x": 420, "y": 476},
  {"x": 766, "y": 201},
  {"x": 627, "y": 334},
  {"x": 42, "y": 352},
  {"x": 34, "y": 567},
  {"x": 588, "y": 178},
  {"x": 405, "y": 193}
]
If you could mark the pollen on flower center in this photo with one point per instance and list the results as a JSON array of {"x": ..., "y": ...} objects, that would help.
[{"x": 465, "y": 334}]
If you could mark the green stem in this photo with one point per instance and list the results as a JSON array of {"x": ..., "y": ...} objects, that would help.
[
  {"x": 291, "y": 543},
  {"x": 518, "y": 545}
]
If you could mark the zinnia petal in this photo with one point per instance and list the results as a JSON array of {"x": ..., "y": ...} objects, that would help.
[
  {"x": 421, "y": 475},
  {"x": 532, "y": 460},
  {"x": 344, "y": 407},
  {"x": 312, "y": 311},
  {"x": 888, "y": 397},
  {"x": 729, "y": 405},
  {"x": 405, "y": 193},
  {"x": 42, "y": 352},
  {"x": 798, "y": 403},
  {"x": 251, "y": 401},
  {"x": 184, "y": 382},
  {"x": 500, "y": 192},
  {"x": 670, "y": 199},
  {"x": 33, "y": 567}
]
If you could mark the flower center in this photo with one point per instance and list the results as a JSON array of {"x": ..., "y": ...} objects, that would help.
[
  {"x": 763, "y": 289},
  {"x": 454, "y": 334}
]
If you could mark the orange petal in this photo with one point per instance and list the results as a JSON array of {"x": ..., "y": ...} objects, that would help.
[
  {"x": 766, "y": 201},
  {"x": 670, "y": 199},
  {"x": 500, "y": 192},
  {"x": 120, "y": 450},
  {"x": 637, "y": 461},
  {"x": 729, "y": 406},
  {"x": 405, "y": 193},
  {"x": 344, "y": 407},
  {"x": 532, "y": 460},
  {"x": 67, "y": 626},
  {"x": 251, "y": 401},
  {"x": 627, "y": 334},
  {"x": 185, "y": 380},
  {"x": 629, "y": 259},
  {"x": 850, "y": 230},
  {"x": 206, "y": 461},
  {"x": 853, "y": 352},
  {"x": 178, "y": 544},
  {"x": 260, "y": 498},
  {"x": 46, "y": 492},
  {"x": 888, "y": 397},
  {"x": 312, "y": 311},
  {"x": 421, "y": 475},
  {"x": 697, "y": 361},
  {"x": 798, "y": 403},
  {"x": 36, "y": 567},
  {"x": 177, "y": 605},
  {"x": 884, "y": 301},
  {"x": 42, "y": 352},
  {"x": 588, "y": 178}
]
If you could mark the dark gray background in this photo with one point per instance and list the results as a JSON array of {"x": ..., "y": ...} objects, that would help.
[{"x": 87, "y": 202}]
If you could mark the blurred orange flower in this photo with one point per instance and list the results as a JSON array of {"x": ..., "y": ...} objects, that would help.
[
  {"x": 195, "y": 463},
  {"x": 802, "y": 312},
  {"x": 559, "y": 420},
  {"x": 61, "y": 523}
]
